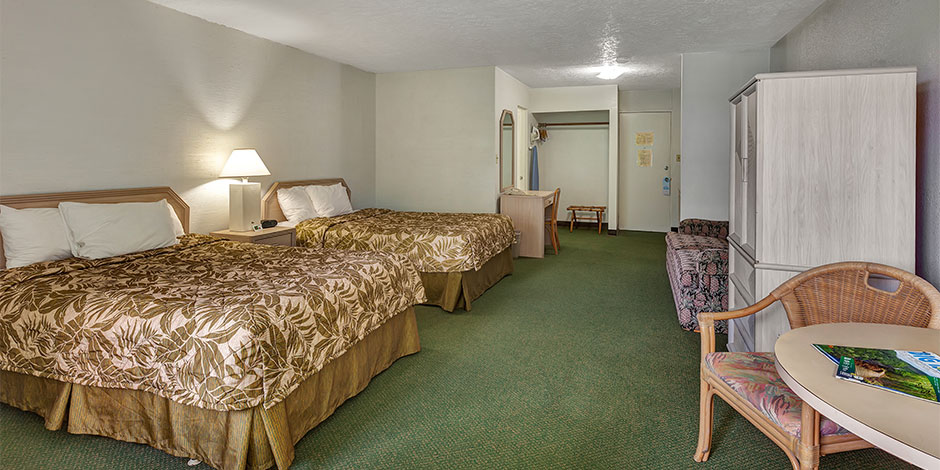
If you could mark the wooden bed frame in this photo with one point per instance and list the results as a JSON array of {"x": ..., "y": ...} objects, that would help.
[
  {"x": 107, "y": 196},
  {"x": 266, "y": 437},
  {"x": 271, "y": 209}
]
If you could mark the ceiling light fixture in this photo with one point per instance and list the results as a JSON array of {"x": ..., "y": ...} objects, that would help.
[{"x": 611, "y": 71}]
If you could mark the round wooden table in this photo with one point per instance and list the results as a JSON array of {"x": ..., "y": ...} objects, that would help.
[{"x": 907, "y": 427}]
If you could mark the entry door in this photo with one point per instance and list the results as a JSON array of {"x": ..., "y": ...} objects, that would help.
[{"x": 644, "y": 162}]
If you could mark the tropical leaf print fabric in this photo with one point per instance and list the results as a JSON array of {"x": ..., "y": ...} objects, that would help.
[
  {"x": 434, "y": 241},
  {"x": 211, "y": 323}
]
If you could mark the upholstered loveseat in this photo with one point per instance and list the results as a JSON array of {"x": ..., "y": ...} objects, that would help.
[{"x": 697, "y": 264}]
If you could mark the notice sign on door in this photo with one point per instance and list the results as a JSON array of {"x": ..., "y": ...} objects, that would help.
[
  {"x": 644, "y": 158},
  {"x": 644, "y": 138}
]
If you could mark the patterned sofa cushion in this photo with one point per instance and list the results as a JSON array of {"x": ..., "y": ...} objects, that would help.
[
  {"x": 704, "y": 227},
  {"x": 752, "y": 375},
  {"x": 681, "y": 241}
]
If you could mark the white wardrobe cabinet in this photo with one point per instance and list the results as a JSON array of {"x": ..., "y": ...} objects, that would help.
[{"x": 822, "y": 170}]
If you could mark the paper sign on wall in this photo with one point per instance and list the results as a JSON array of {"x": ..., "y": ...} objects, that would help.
[
  {"x": 644, "y": 138},
  {"x": 644, "y": 158}
]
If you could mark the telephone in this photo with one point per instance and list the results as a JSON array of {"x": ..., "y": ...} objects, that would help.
[{"x": 514, "y": 191}]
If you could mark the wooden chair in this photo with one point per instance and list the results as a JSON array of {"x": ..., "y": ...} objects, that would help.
[
  {"x": 551, "y": 223},
  {"x": 833, "y": 293}
]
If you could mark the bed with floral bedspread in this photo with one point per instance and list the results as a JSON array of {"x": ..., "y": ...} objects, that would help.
[
  {"x": 459, "y": 255},
  {"x": 208, "y": 325}
]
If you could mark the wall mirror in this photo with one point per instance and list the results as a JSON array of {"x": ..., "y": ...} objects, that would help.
[{"x": 507, "y": 146}]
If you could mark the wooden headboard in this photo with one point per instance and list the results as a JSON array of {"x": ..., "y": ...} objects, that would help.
[
  {"x": 106, "y": 196},
  {"x": 271, "y": 209}
]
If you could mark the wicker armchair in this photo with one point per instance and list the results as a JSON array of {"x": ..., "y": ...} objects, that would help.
[{"x": 833, "y": 293}]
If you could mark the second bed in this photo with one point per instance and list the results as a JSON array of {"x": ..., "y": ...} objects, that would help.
[{"x": 458, "y": 255}]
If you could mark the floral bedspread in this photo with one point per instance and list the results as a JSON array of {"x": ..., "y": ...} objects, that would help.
[
  {"x": 434, "y": 241},
  {"x": 210, "y": 323}
]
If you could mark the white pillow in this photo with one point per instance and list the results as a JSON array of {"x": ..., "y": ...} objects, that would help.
[
  {"x": 175, "y": 220},
  {"x": 33, "y": 236},
  {"x": 329, "y": 201},
  {"x": 103, "y": 230},
  {"x": 295, "y": 204}
]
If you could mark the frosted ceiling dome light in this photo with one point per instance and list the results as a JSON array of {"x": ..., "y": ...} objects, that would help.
[{"x": 611, "y": 72}]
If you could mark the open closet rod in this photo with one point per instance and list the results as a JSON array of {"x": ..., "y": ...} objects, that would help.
[{"x": 548, "y": 124}]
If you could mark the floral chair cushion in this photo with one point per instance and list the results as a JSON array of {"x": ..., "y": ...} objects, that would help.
[{"x": 752, "y": 375}]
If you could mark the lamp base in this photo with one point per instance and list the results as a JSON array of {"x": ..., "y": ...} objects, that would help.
[{"x": 244, "y": 206}]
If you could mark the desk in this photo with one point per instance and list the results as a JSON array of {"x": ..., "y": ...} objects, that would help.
[
  {"x": 528, "y": 213},
  {"x": 906, "y": 427}
]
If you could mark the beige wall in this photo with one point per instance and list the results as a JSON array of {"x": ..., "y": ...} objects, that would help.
[
  {"x": 436, "y": 140},
  {"x": 708, "y": 81},
  {"x": 446, "y": 158},
  {"x": 874, "y": 33},
  {"x": 115, "y": 93}
]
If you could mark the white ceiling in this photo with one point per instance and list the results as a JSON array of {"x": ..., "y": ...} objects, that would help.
[{"x": 540, "y": 42}]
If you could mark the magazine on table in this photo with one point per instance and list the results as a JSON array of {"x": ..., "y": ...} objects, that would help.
[{"x": 911, "y": 373}]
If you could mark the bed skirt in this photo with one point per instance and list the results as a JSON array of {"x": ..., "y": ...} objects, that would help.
[
  {"x": 255, "y": 438},
  {"x": 454, "y": 290}
]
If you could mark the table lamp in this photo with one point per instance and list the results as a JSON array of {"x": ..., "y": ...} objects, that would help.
[{"x": 244, "y": 203}]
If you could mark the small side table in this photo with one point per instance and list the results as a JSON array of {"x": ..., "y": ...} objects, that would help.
[
  {"x": 904, "y": 426},
  {"x": 598, "y": 215},
  {"x": 283, "y": 236}
]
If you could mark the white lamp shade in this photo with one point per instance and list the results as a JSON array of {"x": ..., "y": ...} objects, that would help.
[{"x": 244, "y": 163}]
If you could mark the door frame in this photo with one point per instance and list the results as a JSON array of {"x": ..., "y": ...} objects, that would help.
[{"x": 674, "y": 192}]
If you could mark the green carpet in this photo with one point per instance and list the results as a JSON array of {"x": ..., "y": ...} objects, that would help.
[{"x": 574, "y": 361}]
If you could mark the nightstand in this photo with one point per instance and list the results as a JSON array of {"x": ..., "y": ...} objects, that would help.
[{"x": 284, "y": 236}]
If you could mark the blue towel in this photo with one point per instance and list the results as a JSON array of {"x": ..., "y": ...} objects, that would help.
[{"x": 534, "y": 170}]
